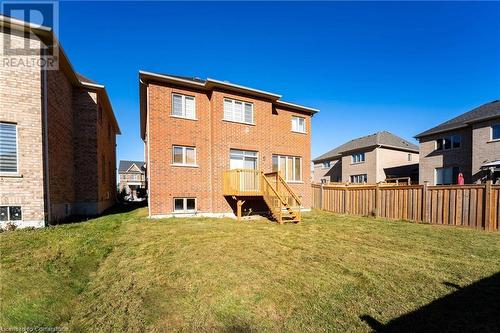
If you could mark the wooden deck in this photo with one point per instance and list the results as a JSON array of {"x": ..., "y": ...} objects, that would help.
[{"x": 284, "y": 205}]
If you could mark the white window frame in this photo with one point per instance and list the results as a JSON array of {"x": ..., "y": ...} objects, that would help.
[
  {"x": 184, "y": 205},
  {"x": 13, "y": 173},
  {"x": 233, "y": 101},
  {"x": 445, "y": 168},
  {"x": 410, "y": 157},
  {"x": 362, "y": 158},
  {"x": 8, "y": 213},
  {"x": 449, "y": 137},
  {"x": 491, "y": 136},
  {"x": 327, "y": 163},
  {"x": 284, "y": 173},
  {"x": 184, "y": 156},
  {"x": 183, "y": 110},
  {"x": 355, "y": 178},
  {"x": 296, "y": 122}
]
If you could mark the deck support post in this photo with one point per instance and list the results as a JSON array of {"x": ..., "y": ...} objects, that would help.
[{"x": 239, "y": 203}]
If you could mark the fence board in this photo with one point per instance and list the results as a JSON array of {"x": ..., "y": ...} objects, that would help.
[{"x": 475, "y": 206}]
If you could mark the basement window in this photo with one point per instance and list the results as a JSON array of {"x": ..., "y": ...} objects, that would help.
[
  {"x": 184, "y": 205},
  {"x": 10, "y": 213}
]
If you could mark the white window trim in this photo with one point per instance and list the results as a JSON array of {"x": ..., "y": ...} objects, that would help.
[
  {"x": 183, "y": 106},
  {"x": 8, "y": 213},
  {"x": 284, "y": 174},
  {"x": 184, "y": 156},
  {"x": 232, "y": 100},
  {"x": 365, "y": 177},
  {"x": 328, "y": 167},
  {"x": 296, "y": 130},
  {"x": 491, "y": 133},
  {"x": 13, "y": 173},
  {"x": 451, "y": 140},
  {"x": 359, "y": 162},
  {"x": 184, "y": 204}
]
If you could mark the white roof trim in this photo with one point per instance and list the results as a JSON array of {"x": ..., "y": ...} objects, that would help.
[
  {"x": 297, "y": 106},
  {"x": 167, "y": 77},
  {"x": 242, "y": 87}
]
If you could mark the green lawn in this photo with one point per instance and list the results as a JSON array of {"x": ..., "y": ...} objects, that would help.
[{"x": 125, "y": 273}]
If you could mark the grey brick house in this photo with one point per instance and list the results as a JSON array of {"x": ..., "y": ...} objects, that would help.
[
  {"x": 57, "y": 137},
  {"x": 467, "y": 144},
  {"x": 132, "y": 176},
  {"x": 369, "y": 159}
]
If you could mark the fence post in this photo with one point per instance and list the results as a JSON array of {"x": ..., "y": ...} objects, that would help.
[
  {"x": 424, "y": 203},
  {"x": 487, "y": 205},
  {"x": 321, "y": 197},
  {"x": 346, "y": 200},
  {"x": 378, "y": 200}
]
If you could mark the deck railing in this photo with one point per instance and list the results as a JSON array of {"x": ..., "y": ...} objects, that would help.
[{"x": 242, "y": 182}]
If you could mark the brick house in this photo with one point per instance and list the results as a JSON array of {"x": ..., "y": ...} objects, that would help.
[
  {"x": 57, "y": 135},
  {"x": 196, "y": 131},
  {"x": 467, "y": 144},
  {"x": 370, "y": 159},
  {"x": 132, "y": 177}
]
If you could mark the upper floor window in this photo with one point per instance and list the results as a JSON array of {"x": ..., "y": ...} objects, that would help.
[
  {"x": 358, "y": 157},
  {"x": 183, "y": 106},
  {"x": 238, "y": 111},
  {"x": 182, "y": 155},
  {"x": 359, "y": 179},
  {"x": 449, "y": 142},
  {"x": 326, "y": 165},
  {"x": 298, "y": 124},
  {"x": 8, "y": 148},
  {"x": 409, "y": 157},
  {"x": 289, "y": 166},
  {"x": 495, "y": 132}
]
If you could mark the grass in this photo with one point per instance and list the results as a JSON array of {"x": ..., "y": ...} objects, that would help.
[{"x": 125, "y": 273}]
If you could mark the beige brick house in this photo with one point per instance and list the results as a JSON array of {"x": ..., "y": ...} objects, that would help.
[
  {"x": 370, "y": 159},
  {"x": 467, "y": 144},
  {"x": 209, "y": 143},
  {"x": 57, "y": 138},
  {"x": 132, "y": 177}
]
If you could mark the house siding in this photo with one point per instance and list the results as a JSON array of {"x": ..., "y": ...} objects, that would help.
[
  {"x": 213, "y": 138},
  {"x": 483, "y": 149},
  {"x": 430, "y": 158},
  {"x": 21, "y": 103},
  {"x": 368, "y": 167},
  {"x": 387, "y": 158}
]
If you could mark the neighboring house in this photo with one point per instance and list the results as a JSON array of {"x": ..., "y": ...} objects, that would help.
[
  {"x": 369, "y": 159},
  {"x": 467, "y": 144},
  {"x": 196, "y": 130},
  {"x": 132, "y": 177},
  {"x": 57, "y": 138}
]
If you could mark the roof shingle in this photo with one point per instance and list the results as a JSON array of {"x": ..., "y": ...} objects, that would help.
[
  {"x": 384, "y": 138},
  {"x": 483, "y": 112},
  {"x": 125, "y": 165}
]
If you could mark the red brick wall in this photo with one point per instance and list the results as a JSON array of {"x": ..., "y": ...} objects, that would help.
[
  {"x": 213, "y": 139},
  {"x": 85, "y": 142},
  {"x": 60, "y": 137}
]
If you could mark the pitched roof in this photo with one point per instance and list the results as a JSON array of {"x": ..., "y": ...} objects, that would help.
[
  {"x": 125, "y": 165},
  {"x": 384, "y": 139},
  {"x": 83, "y": 78},
  {"x": 483, "y": 112}
]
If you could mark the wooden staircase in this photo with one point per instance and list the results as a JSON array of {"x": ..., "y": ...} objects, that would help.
[{"x": 284, "y": 205}]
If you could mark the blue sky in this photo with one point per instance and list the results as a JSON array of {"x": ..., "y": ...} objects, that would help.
[{"x": 397, "y": 66}]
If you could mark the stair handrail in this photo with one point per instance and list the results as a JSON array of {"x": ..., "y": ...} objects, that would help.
[{"x": 283, "y": 182}]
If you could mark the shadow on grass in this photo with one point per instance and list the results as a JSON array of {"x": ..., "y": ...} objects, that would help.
[
  {"x": 118, "y": 208},
  {"x": 474, "y": 308}
]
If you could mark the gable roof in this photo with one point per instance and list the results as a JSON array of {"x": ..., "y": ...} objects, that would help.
[
  {"x": 481, "y": 113},
  {"x": 125, "y": 165},
  {"x": 384, "y": 139},
  {"x": 208, "y": 85}
]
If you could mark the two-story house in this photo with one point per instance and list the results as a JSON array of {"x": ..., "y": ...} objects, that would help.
[
  {"x": 131, "y": 177},
  {"x": 57, "y": 137},
  {"x": 467, "y": 144},
  {"x": 208, "y": 144},
  {"x": 369, "y": 159}
]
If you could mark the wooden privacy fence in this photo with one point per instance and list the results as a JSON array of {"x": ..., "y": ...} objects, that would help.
[{"x": 476, "y": 206}]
